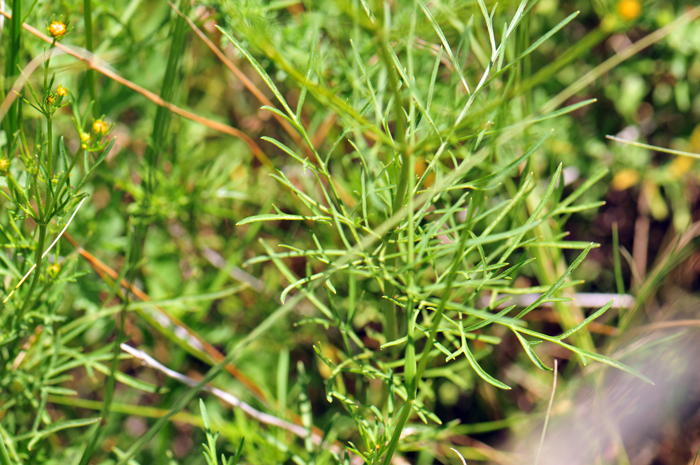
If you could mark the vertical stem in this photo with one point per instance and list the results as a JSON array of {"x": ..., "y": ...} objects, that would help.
[
  {"x": 49, "y": 142},
  {"x": 389, "y": 307},
  {"x": 90, "y": 45},
  {"x": 37, "y": 272},
  {"x": 49, "y": 166},
  {"x": 108, "y": 394},
  {"x": 640, "y": 246},
  {"x": 549, "y": 412},
  {"x": 390, "y": 312},
  {"x": 411, "y": 394},
  {"x": 4, "y": 456},
  {"x": 394, "y": 441},
  {"x": 616, "y": 260},
  {"x": 12, "y": 57}
]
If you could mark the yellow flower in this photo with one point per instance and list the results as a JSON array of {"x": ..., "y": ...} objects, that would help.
[
  {"x": 679, "y": 166},
  {"x": 54, "y": 269},
  {"x": 625, "y": 179},
  {"x": 84, "y": 137},
  {"x": 49, "y": 99},
  {"x": 694, "y": 140},
  {"x": 100, "y": 128},
  {"x": 420, "y": 167},
  {"x": 57, "y": 29},
  {"x": 4, "y": 164},
  {"x": 629, "y": 9},
  {"x": 61, "y": 91}
]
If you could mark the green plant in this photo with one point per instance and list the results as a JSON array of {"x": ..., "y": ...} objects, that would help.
[
  {"x": 415, "y": 251},
  {"x": 210, "y": 446},
  {"x": 416, "y": 154},
  {"x": 42, "y": 198}
]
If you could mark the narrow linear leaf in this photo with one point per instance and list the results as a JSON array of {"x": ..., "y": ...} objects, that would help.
[
  {"x": 557, "y": 284},
  {"x": 562, "y": 245},
  {"x": 480, "y": 371},
  {"x": 585, "y": 322},
  {"x": 261, "y": 71},
  {"x": 527, "y": 346},
  {"x": 654, "y": 147},
  {"x": 283, "y": 217},
  {"x": 539, "y": 42},
  {"x": 60, "y": 426},
  {"x": 582, "y": 188},
  {"x": 609, "y": 361}
]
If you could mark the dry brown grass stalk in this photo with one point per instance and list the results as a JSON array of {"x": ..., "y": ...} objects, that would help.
[{"x": 103, "y": 269}]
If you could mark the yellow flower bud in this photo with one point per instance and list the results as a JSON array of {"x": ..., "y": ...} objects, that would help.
[
  {"x": 629, "y": 9},
  {"x": 625, "y": 179},
  {"x": 84, "y": 137},
  {"x": 57, "y": 29},
  {"x": 54, "y": 269},
  {"x": 419, "y": 168},
  {"x": 100, "y": 128},
  {"x": 61, "y": 91},
  {"x": 4, "y": 164}
]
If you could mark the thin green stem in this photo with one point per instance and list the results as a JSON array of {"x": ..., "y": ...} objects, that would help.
[
  {"x": 584, "y": 45},
  {"x": 90, "y": 46},
  {"x": 47, "y": 63},
  {"x": 619, "y": 284},
  {"x": 61, "y": 187},
  {"x": 4, "y": 456},
  {"x": 12, "y": 62},
  {"x": 109, "y": 392},
  {"x": 29, "y": 11},
  {"x": 37, "y": 272},
  {"x": 127, "y": 272},
  {"x": 425, "y": 355},
  {"x": 400, "y": 424},
  {"x": 49, "y": 167},
  {"x": 400, "y": 156}
]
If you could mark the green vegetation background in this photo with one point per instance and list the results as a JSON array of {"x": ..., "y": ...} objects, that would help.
[{"x": 164, "y": 204}]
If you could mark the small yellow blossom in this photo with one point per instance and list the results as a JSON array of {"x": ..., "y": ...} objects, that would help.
[
  {"x": 100, "y": 128},
  {"x": 49, "y": 99},
  {"x": 54, "y": 269},
  {"x": 84, "y": 137},
  {"x": 694, "y": 140},
  {"x": 420, "y": 167},
  {"x": 61, "y": 91},
  {"x": 679, "y": 166},
  {"x": 4, "y": 164},
  {"x": 625, "y": 179},
  {"x": 629, "y": 9},
  {"x": 57, "y": 29}
]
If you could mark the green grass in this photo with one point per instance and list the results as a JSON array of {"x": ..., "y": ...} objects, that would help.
[{"x": 329, "y": 246}]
